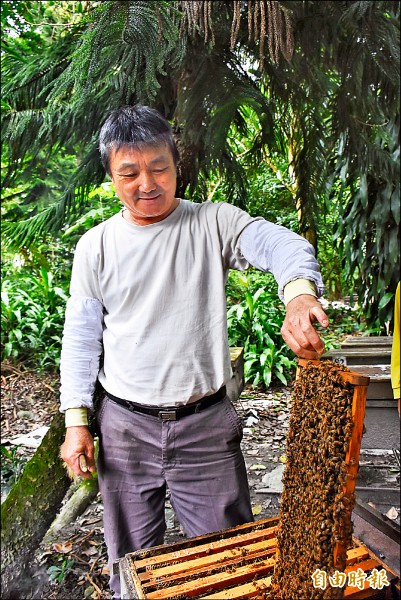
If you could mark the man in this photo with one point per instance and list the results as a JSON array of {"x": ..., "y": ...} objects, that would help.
[{"x": 147, "y": 292}]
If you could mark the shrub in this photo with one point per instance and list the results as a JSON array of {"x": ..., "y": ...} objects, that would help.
[
  {"x": 32, "y": 319},
  {"x": 255, "y": 324}
]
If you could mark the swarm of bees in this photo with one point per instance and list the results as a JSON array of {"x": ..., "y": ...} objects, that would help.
[{"x": 315, "y": 512}]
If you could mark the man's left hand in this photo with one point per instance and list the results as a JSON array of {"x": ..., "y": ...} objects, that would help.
[{"x": 298, "y": 330}]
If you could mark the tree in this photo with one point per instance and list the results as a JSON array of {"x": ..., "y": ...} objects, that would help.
[{"x": 321, "y": 77}]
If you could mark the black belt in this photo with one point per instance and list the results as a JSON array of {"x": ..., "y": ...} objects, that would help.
[{"x": 171, "y": 413}]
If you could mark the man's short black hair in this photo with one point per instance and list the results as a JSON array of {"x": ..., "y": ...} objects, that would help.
[{"x": 136, "y": 126}]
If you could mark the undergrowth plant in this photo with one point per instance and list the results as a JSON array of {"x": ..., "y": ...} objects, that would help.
[
  {"x": 32, "y": 318},
  {"x": 255, "y": 315},
  {"x": 59, "y": 572},
  {"x": 11, "y": 466},
  {"x": 254, "y": 323}
]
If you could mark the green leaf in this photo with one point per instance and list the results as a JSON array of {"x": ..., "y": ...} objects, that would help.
[
  {"x": 385, "y": 300},
  {"x": 17, "y": 334},
  {"x": 8, "y": 349},
  {"x": 250, "y": 302},
  {"x": 267, "y": 377},
  {"x": 281, "y": 377}
]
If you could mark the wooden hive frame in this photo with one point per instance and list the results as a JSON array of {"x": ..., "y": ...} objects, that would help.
[
  {"x": 360, "y": 386},
  {"x": 238, "y": 563},
  {"x": 232, "y": 564}
]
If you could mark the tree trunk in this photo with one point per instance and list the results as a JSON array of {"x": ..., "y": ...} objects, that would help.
[
  {"x": 31, "y": 506},
  {"x": 304, "y": 206},
  {"x": 86, "y": 491}
]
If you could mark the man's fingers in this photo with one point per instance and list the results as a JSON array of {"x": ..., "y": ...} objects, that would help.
[
  {"x": 86, "y": 465},
  {"x": 82, "y": 463},
  {"x": 303, "y": 348},
  {"x": 302, "y": 336},
  {"x": 319, "y": 314},
  {"x": 78, "y": 451},
  {"x": 298, "y": 329}
]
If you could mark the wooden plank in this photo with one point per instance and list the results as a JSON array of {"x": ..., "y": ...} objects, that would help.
[
  {"x": 205, "y": 538},
  {"x": 250, "y": 589},
  {"x": 356, "y": 593},
  {"x": 206, "y": 548},
  {"x": 247, "y": 590},
  {"x": 228, "y": 557},
  {"x": 240, "y": 582},
  {"x": 365, "y": 352},
  {"x": 367, "y": 342},
  {"x": 235, "y": 353},
  {"x": 389, "y": 570},
  {"x": 356, "y": 554},
  {"x": 353, "y": 451},
  {"x": 367, "y": 592},
  {"x": 216, "y": 581},
  {"x": 130, "y": 583},
  {"x": 355, "y": 379},
  {"x": 354, "y": 447},
  {"x": 202, "y": 572},
  {"x": 365, "y": 565}
]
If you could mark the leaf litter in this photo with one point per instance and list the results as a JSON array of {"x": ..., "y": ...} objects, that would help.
[{"x": 35, "y": 398}]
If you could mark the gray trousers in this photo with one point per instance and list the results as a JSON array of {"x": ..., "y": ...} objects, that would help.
[{"x": 198, "y": 457}]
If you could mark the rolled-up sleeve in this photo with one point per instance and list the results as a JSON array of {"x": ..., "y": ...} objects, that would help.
[
  {"x": 82, "y": 347},
  {"x": 280, "y": 251}
]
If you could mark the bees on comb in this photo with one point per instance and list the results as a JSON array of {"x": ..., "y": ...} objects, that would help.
[{"x": 315, "y": 512}]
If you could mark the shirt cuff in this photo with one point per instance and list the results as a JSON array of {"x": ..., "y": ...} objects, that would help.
[
  {"x": 74, "y": 417},
  {"x": 297, "y": 287},
  {"x": 396, "y": 392}
]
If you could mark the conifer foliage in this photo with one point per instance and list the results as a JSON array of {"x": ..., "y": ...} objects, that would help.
[{"x": 321, "y": 77}]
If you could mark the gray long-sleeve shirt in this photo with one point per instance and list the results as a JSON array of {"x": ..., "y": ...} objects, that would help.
[{"x": 152, "y": 299}]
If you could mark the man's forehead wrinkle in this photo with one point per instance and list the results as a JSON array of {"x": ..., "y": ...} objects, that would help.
[
  {"x": 116, "y": 148},
  {"x": 127, "y": 165},
  {"x": 132, "y": 164}
]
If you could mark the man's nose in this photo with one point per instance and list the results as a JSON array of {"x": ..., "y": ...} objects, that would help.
[{"x": 147, "y": 182}]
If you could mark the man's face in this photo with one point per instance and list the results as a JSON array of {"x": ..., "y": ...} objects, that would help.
[{"x": 145, "y": 182}]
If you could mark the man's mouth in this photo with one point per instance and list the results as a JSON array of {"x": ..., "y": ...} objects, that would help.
[{"x": 154, "y": 197}]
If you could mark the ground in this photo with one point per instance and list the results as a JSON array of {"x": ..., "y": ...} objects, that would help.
[
  {"x": 77, "y": 560},
  {"x": 30, "y": 401}
]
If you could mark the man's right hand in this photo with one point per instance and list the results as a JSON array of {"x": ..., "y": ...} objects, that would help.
[{"x": 79, "y": 442}]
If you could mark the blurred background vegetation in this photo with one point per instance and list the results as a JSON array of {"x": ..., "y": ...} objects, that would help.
[{"x": 289, "y": 110}]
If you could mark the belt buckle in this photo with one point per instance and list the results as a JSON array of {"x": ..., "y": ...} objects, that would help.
[{"x": 168, "y": 415}]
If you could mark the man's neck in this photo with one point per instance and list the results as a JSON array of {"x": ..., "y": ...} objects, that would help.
[{"x": 142, "y": 220}]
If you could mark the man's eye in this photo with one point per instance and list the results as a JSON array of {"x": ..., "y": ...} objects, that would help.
[{"x": 161, "y": 170}]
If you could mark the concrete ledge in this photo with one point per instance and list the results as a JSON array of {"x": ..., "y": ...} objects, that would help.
[
  {"x": 382, "y": 425},
  {"x": 366, "y": 342},
  {"x": 360, "y": 356}
]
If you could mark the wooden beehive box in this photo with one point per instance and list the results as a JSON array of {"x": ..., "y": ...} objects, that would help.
[
  {"x": 239, "y": 562},
  {"x": 235, "y": 563}
]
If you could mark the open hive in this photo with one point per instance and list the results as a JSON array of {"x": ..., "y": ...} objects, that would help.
[{"x": 307, "y": 551}]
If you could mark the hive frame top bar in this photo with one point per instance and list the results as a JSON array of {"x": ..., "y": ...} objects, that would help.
[{"x": 350, "y": 376}]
